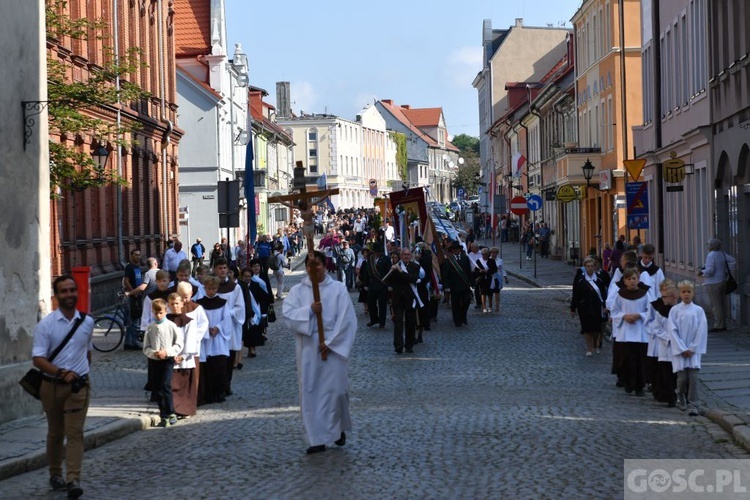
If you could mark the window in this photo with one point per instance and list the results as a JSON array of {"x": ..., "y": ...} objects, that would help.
[
  {"x": 685, "y": 50},
  {"x": 610, "y": 124},
  {"x": 312, "y": 135},
  {"x": 312, "y": 153}
]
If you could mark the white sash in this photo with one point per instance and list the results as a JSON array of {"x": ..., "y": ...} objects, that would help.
[{"x": 417, "y": 300}]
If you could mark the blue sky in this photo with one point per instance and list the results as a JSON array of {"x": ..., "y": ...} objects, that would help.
[{"x": 340, "y": 55}]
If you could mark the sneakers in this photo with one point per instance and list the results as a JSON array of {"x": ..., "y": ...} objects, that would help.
[
  {"x": 74, "y": 489},
  {"x": 57, "y": 483},
  {"x": 164, "y": 423},
  {"x": 588, "y": 353},
  {"x": 693, "y": 411},
  {"x": 172, "y": 419},
  {"x": 681, "y": 404}
]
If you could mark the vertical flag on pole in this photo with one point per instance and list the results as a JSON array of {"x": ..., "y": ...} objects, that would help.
[
  {"x": 252, "y": 229},
  {"x": 518, "y": 161}
]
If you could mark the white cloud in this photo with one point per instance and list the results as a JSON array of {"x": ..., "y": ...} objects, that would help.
[
  {"x": 462, "y": 65},
  {"x": 304, "y": 97}
]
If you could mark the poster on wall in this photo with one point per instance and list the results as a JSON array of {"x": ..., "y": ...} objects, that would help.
[{"x": 636, "y": 194}]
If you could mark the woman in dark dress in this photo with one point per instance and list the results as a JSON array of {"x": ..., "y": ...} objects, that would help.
[
  {"x": 486, "y": 269},
  {"x": 253, "y": 332},
  {"x": 589, "y": 299}
]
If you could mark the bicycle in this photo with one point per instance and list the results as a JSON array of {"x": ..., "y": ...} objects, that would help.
[{"x": 109, "y": 330}]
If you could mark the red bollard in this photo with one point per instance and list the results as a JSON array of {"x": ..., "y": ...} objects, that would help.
[{"x": 82, "y": 277}]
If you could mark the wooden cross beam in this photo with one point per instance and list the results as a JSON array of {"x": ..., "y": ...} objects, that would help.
[{"x": 303, "y": 200}]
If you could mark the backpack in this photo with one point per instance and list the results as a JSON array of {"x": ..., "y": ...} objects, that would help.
[{"x": 273, "y": 263}]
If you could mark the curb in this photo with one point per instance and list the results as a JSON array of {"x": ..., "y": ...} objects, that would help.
[
  {"x": 733, "y": 425},
  {"x": 521, "y": 277},
  {"x": 93, "y": 439}
]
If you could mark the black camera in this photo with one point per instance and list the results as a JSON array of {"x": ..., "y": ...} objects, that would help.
[{"x": 78, "y": 384}]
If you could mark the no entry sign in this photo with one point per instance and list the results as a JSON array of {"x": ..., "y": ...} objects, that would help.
[{"x": 519, "y": 206}]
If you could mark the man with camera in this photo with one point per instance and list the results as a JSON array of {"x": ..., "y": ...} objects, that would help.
[{"x": 65, "y": 386}]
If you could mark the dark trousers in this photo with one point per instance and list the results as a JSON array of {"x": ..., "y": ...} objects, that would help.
[
  {"x": 636, "y": 358},
  {"x": 230, "y": 369},
  {"x": 215, "y": 380},
  {"x": 478, "y": 296},
  {"x": 377, "y": 302},
  {"x": 404, "y": 316},
  {"x": 163, "y": 369},
  {"x": 619, "y": 360},
  {"x": 460, "y": 302},
  {"x": 263, "y": 264},
  {"x": 665, "y": 382}
]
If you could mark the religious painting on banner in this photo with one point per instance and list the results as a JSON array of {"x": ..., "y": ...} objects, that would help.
[{"x": 409, "y": 214}]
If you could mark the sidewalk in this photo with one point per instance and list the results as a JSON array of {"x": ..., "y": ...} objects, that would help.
[
  {"x": 725, "y": 371},
  {"x": 118, "y": 407}
]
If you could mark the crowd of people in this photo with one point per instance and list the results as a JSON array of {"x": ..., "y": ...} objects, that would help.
[{"x": 659, "y": 334}]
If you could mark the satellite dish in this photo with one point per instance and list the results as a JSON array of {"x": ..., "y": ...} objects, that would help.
[{"x": 275, "y": 193}]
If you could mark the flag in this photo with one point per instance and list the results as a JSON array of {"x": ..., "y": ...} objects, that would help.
[
  {"x": 252, "y": 222},
  {"x": 431, "y": 238},
  {"x": 322, "y": 183},
  {"x": 329, "y": 204},
  {"x": 517, "y": 162}
]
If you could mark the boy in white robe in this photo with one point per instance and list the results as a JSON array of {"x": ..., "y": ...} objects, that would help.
[
  {"x": 659, "y": 351},
  {"x": 323, "y": 385},
  {"x": 651, "y": 274},
  {"x": 215, "y": 346},
  {"x": 688, "y": 328},
  {"x": 230, "y": 291},
  {"x": 629, "y": 311}
]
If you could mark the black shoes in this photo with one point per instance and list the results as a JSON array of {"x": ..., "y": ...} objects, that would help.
[
  {"x": 409, "y": 350},
  {"x": 640, "y": 393},
  {"x": 399, "y": 351},
  {"x": 57, "y": 483},
  {"x": 316, "y": 449},
  {"x": 127, "y": 347},
  {"x": 74, "y": 489},
  {"x": 342, "y": 440}
]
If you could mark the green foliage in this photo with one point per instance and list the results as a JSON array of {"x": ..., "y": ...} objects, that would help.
[
  {"x": 73, "y": 104},
  {"x": 466, "y": 143},
  {"x": 402, "y": 158},
  {"x": 466, "y": 176}
]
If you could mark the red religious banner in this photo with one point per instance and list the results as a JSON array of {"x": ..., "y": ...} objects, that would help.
[{"x": 409, "y": 213}]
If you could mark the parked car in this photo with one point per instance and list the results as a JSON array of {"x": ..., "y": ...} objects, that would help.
[{"x": 472, "y": 199}]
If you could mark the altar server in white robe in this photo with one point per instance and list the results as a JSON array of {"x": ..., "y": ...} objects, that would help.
[
  {"x": 323, "y": 385},
  {"x": 230, "y": 291},
  {"x": 215, "y": 346},
  {"x": 688, "y": 330},
  {"x": 629, "y": 313}
]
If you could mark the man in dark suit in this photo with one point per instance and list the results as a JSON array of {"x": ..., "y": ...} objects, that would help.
[
  {"x": 456, "y": 272},
  {"x": 402, "y": 279},
  {"x": 377, "y": 266}
]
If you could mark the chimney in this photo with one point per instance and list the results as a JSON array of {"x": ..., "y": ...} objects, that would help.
[
  {"x": 519, "y": 22},
  {"x": 387, "y": 101},
  {"x": 406, "y": 106},
  {"x": 283, "y": 100}
]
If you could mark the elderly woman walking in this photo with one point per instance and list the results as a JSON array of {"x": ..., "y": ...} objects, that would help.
[
  {"x": 589, "y": 298},
  {"x": 715, "y": 278}
]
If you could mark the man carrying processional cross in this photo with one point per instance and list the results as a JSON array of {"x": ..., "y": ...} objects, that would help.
[{"x": 322, "y": 366}]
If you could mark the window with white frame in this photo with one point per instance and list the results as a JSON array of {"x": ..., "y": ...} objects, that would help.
[{"x": 610, "y": 124}]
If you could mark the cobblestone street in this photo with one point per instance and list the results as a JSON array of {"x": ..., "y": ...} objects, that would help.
[{"x": 506, "y": 407}]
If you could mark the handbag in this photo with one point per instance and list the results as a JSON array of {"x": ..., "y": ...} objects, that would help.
[
  {"x": 32, "y": 381},
  {"x": 731, "y": 283},
  {"x": 271, "y": 314}
]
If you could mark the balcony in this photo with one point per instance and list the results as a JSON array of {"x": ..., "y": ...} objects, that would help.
[{"x": 569, "y": 162}]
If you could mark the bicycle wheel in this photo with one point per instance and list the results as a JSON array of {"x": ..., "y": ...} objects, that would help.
[{"x": 108, "y": 334}]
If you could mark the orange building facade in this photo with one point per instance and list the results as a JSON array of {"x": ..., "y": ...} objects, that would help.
[{"x": 98, "y": 227}]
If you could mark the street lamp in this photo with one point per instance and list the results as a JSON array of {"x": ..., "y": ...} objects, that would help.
[
  {"x": 588, "y": 172},
  {"x": 100, "y": 156}
]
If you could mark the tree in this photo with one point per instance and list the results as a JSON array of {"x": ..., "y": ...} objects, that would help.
[
  {"x": 466, "y": 143},
  {"x": 74, "y": 106},
  {"x": 466, "y": 176}
]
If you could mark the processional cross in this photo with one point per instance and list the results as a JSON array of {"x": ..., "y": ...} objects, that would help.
[{"x": 304, "y": 201}]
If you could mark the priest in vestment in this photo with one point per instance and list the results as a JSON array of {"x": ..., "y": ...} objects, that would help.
[{"x": 323, "y": 385}]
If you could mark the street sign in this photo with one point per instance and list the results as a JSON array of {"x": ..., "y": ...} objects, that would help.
[
  {"x": 566, "y": 193},
  {"x": 479, "y": 190},
  {"x": 674, "y": 172},
  {"x": 634, "y": 167},
  {"x": 461, "y": 192},
  {"x": 500, "y": 203},
  {"x": 534, "y": 202},
  {"x": 519, "y": 205},
  {"x": 636, "y": 194}
]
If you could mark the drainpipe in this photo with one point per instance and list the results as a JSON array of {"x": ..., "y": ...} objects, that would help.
[
  {"x": 166, "y": 138},
  {"x": 623, "y": 80},
  {"x": 656, "y": 48},
  {"x": 118, "y": 191}
]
